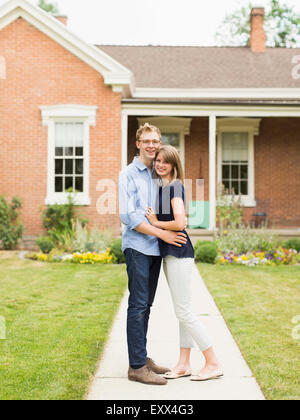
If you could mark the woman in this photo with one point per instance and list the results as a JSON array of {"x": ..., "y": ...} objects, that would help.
[{"x": 178, "y": 264}]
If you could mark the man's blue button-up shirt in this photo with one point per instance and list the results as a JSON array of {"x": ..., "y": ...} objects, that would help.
[{"x": 137, "y": 191}]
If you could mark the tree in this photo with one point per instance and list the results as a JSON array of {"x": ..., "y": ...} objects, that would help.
[
  {"x": 48, "y": 7},
  {"x": 282, "y": 26}
]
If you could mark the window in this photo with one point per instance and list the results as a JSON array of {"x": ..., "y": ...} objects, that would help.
[
  {"x": 69, "y": 157},
  {"x": 68, "y": 151},
  {"x": 173, "y": 130},
  {"x": 171, "y": 138},
  {"x": 235, "y": 162},
  {"x": 235, "y": 156}
]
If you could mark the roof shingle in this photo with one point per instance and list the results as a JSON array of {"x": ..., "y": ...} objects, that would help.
[{"x": 207, "y": 67}]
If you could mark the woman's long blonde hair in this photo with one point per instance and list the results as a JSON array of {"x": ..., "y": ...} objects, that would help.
[{"x": 171, "y": 156}]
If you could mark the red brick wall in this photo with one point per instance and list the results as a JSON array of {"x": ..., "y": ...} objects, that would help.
[
  {"x": 196, "y": 154},
  {"x": 41, "y": 72},
  {"x": 277, "y": 166},
  {"x": 277, "y": 170}
]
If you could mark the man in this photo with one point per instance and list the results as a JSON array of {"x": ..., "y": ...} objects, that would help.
[{"x": 137, "y": 192}]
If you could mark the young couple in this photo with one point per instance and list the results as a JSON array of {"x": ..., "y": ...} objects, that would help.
[{"x": 152, "y": 209}]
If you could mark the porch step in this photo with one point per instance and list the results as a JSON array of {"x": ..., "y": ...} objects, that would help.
[
  {"x": 287, "y": 233},
  {"x": 200, "y": 234},
  {"x": 28, "y": 243}
]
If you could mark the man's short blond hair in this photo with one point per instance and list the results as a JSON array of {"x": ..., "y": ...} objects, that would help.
[{"x": 147, "y": 128}]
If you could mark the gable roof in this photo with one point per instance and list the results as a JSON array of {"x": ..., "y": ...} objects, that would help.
[
  {"x": 114, "y": 73},
  {"x": 162, "y": 73},
  {"x": 209, "y": 72}
]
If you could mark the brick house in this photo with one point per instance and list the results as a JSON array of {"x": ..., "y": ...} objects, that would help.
[{"x": 69, "y": 112}]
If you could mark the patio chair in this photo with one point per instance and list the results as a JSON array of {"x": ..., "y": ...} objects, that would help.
[{"x": 260, "y": 217}]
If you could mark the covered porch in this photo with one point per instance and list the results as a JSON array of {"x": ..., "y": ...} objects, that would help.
[{"x": 264, "y": 166}]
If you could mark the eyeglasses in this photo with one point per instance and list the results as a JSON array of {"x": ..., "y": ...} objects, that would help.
[{"x": 148, "y": 142}]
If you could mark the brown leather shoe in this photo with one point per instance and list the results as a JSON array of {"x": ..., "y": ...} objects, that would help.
[
  {"x": 160, "y": 370},
  {"x": 145, "y": 376}
]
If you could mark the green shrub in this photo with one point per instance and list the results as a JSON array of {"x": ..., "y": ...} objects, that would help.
[
  {"x": 206, "y": 253},
  {"x": 293, "y": 243},
  {"x": 94, "y": 240},
  {"x": 59, "y": 220},
  {"x": 116, "y": 251},
  {"x": 201, "y": 243},
  {"x": 243, "y": 239},
  {"x": 11, "y": 229},
  {"x": 45, "y": 244},
  {"x": 229, "y": 209}
]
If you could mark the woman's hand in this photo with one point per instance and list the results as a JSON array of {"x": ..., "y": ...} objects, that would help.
[{"x": 151, "y": 216}]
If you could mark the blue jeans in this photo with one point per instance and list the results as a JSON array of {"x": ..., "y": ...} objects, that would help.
[{"x": 143, "y": 273}]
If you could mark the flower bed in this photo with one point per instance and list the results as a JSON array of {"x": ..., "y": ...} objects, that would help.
[
  {"x": 280, "y": 256},
  {"x": 77, "y": 258}
]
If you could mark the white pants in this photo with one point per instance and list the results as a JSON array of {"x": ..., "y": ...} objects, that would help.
[{"x": 178, "y": 272}]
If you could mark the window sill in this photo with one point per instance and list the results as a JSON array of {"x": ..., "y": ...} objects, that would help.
[
  {"x": 62, "y": 198},
  {"x": 248, "y": 202}
]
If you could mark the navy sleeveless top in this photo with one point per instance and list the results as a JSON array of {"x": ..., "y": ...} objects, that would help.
[{"x": 165, "y": 214}]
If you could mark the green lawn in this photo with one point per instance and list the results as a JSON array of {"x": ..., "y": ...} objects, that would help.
[
  {"x": 258, "y": 305},
  {"x": 58, "y": 317}
]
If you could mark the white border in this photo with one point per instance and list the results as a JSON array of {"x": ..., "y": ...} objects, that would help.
[
  {"x": 251, "y": 126},
  {"x": 68, "y": 113},
  {"x": 197, "y": 110},
  {"x": 218, "y": 93}
]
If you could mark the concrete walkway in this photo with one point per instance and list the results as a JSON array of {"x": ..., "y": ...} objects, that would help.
[{"x": 111, "y": 383}]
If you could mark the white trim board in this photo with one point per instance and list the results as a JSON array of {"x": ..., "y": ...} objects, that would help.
[
  {"x": 219, "y": 93},
  {"x": 251, "y": 126},
  {"x": 196, "y": 110},
  {"x": 68, "y": 113},
  {"x": 114, "y": 73}
]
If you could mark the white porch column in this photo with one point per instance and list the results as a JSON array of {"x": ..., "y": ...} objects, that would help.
[
  {"x": 124, "y": 138},
  {"x": 212, "y": 172}
]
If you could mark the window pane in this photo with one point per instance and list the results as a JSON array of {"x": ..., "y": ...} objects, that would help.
[
  {"x": 226, "y": 186},
  {"x": 244, "y": 187},
  {"x": 171, "y": 138},
  {"x": 58, "y": 184},
  {"x": 79, "y": 166},
  {"x": 235, "y": 172},
  {"x": 58, "y": 151},
  {"x": 79, "y": 151},
  {"x": 244, "y": 172},
  {"x": 58, "y": 166},
  {"x": 68, "y": 182},
  {"x": 69, "y": 166},
  {"x": 235, "y": 146},
  {"x": 225, "y": 172},
  {"x": 235, "y": 187},
  {"x": 79, "y": 184},
  {"x": 69, "y": 151},
  {"x": 69, "y": 134}
]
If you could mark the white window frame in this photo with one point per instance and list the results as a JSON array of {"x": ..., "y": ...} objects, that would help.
[
  {"x": 64, "y": 114},
  {"x": 238, "y": 125},
  {"x": 176, "y": 125}
]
